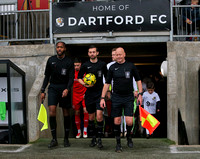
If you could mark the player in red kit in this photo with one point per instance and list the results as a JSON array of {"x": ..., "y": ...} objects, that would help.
[{"x": 79, "y": 101}]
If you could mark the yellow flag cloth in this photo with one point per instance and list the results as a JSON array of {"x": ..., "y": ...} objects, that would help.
[
  {"x": 148, "y": 121},
  {"x": 42, "y": 117}
]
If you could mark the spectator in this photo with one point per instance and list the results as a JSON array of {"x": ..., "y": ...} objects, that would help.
[{"x": 191, "y": 17}]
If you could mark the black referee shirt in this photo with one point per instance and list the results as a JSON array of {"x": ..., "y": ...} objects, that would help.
[
  {"x": 59, "y": 71},
  {"x": 122, "y": 75},
  {"x": 98, "y": 69}
]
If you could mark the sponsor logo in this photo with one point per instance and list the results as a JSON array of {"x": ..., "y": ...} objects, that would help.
[
  {"x": 3, "y": 89},
  {"x": 148, "y": 103},
  {"x": 15, "y": 90}
]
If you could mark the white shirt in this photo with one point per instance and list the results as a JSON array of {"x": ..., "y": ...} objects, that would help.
[
  {"x": 149, "y": 101},
  {"x": 109, "y": 64}
]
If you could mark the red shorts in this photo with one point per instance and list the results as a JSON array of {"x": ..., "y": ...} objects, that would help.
[
  {"x": 77, "y": 102},
  {"x": 108, "y": 105}
]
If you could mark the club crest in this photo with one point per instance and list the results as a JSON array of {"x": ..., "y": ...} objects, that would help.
[{"x": 60, "y": 22}]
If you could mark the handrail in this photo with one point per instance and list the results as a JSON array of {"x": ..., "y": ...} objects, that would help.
[
  {"x": 25, "y": 25},
  {"x": 185, "y": 22}
]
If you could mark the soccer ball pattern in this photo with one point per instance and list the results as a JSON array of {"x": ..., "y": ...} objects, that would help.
[{"x": 89, "y": 79}]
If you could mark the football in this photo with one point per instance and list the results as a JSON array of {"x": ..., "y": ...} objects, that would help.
[{"x": 89, "y": 79}]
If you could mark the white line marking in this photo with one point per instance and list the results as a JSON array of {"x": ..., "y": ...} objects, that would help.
[
  {"x": 18, "y": 150},
  {"x": 173, "y": 149}
]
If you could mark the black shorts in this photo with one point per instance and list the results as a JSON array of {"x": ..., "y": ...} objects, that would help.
[
  {"x": 91, "y": 108},
  {"x": 119, "y": 102},
  {"x": 92, "y": 101},
  {"x": 55, "y": 96}
]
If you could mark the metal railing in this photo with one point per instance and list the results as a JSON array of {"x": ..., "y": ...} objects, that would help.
[
  {"x": 27, "y": 25},
  {"x": 36, "y": 25},
  {"x": 185, "y": 21}
]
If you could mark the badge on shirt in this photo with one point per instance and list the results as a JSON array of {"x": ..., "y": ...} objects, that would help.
[
  {"x": 99, "y": 73},
  {"x": 63, "y": 71},
  {"x": 148, "y": 103},
  {"x": 127, "y": 74}
]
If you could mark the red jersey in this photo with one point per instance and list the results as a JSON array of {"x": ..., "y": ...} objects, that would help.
[{"x": 78, "y": 89}]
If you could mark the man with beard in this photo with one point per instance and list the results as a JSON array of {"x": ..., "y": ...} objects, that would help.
[
  {"x": 93, "y": 93},
  {"x": 60, "y": 72}
]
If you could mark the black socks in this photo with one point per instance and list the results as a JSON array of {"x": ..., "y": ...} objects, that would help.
[
  {"x": 66, "y": 126},
  {"x": 53, "y": 126}
]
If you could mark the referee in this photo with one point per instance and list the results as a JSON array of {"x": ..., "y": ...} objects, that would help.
[
  {"x": 60, "y": 72},
  {"x": 122, "y": 73},
  {"x": 93, "y": 93}
]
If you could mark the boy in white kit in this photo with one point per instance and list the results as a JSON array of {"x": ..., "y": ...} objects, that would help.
[{"x": 151, "y": 101}]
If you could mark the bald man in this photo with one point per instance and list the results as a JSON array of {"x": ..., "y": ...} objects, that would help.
[{"x": 122, "y": 73}]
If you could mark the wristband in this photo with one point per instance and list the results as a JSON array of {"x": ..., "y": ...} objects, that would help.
[
  {"x": 42, "y": 90},
  {"x": 103, "y": 98},
  {"x": 140, "y": 93}
]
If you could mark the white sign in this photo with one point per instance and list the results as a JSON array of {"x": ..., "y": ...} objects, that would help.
[
  {"x": 16, "y": 89},
  {"x": 3, "y": 89}
]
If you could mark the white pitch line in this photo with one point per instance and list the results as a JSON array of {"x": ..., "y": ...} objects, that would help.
[
  {"x": 173, "y": 149},
  {"x": 18, "y": 150}
]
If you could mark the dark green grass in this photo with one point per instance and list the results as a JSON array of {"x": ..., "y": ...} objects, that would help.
[{"x": 143, "y": 148}]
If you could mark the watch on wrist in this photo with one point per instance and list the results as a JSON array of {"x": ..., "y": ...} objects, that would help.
[{"x": 140, "y": 93}]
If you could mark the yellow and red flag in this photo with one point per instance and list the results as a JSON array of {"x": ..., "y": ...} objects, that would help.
[{"x": 148, "y": 121}]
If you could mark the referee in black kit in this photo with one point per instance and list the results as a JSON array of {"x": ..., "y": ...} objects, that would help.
[
  {"x": 122, "y": 73},
  {"x": 93, "y": 93},
  {"x": 60, "y": 72}
]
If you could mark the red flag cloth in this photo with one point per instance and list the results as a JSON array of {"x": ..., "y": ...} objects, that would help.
[{"x": 148, "y": 121}]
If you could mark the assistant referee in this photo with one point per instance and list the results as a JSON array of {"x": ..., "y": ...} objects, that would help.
[
  {"x": 122, "y": 73},
  {"x": 60, "y": 72}
]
